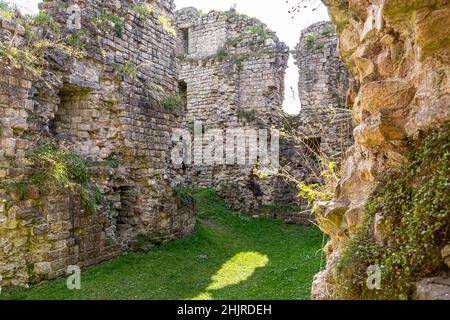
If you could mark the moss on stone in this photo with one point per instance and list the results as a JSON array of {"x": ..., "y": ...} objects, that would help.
[{"x": 405, "y": 227}]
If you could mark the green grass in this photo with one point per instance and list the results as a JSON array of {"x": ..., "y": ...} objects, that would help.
[{"x": 228, "y": 257}]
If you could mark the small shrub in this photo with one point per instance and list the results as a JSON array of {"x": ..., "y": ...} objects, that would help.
[
  {"x": 75, "y": 40},
  {"x": 129, "y": 69},
  {"x": 173, "y": 102},
  {"x": 46, "y": 21},
  {"x": 260, "y": 31},
  {"x": 6, "y": 10},
  {"x": 143, "y": 10},
  {"x": 185, "y": 196},
  {"x": 222, "y": 54},
  {"x": 320, "y": 46},
  {"x": 31, "y": 58},
  {"x": 106, "y": 18},
  {"x": 62, "y": 167},
  {"x": 327, "y": 30}
]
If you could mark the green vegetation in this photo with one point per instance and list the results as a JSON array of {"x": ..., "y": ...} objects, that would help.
[
  {"x": 225, "y": 13},
  {"x": 410, "y": 214},
  {"x": 327, "y": 30},
  {"x": 111, "y": 106},
  {"x": 46, "y": 21},
  {"x": 320, "y": 46},
  {"x": 222, "y": 54},
  {"x": 75, "y": 40},
  {"x": 104, "y": 20},
  {"x": 6, "y": 10},
  {"x": 173, "y": 102},
  {"x": 262, "y": 35},
  {"x": 128, "y": 69},
  {"x": 309, "y": 40},
  {"x": 143, "y": 10},
  {"x": 247, "y": 115},
  {"x": 111, "y": 161},
  {"x": 282, "y": 208},
  {"x": 239, "y": 58},
  {"x": 167, "y": 26},
  {"x": 31, "y": 56},
  {"x": 226, "y": 258},
  {"x": 185, "y": 196},
  {"x": 60, "y": 166}
]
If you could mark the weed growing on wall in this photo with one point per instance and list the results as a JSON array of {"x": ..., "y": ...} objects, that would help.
[
  {"x": 309, "y": 40},
  {"x": 128, "y": 69},
  {"x": 249, "y": 116},
  {"x": 325, "y": 168},
  {"x": 56, "y": 166},
  {"x": 405, "y": 227},
  {"x": 31, "y": 55},
  {"x": 173, "y": 102}
]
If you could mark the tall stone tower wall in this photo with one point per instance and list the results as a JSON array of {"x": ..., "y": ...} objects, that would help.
[
  {"x": 233, "y": 67},
  {"x": 323, "y": 85}
]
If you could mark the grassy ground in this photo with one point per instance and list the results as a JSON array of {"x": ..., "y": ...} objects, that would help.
[{"x": 229, "y": 257}]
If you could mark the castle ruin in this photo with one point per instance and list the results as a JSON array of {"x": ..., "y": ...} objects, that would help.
[{"x": 85, "y": 166}]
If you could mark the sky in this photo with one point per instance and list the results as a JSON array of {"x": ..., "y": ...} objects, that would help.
[{"x": 274, "y": 13}]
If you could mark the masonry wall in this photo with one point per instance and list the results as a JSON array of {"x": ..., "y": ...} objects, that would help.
[
  {"x": 99, "y": 106},
  {"x": 234, "y": 70},
  {"x": 323, "y": 86}
]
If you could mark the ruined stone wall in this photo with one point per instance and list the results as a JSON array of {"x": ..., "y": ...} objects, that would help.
[
  {"x": 323, "y": 85},
  {"x": 234, "y": 68},
  {"x": 398, "y": 52},
  {"x": 103, "y": 107},
  {"x": 323, "y": 128}
]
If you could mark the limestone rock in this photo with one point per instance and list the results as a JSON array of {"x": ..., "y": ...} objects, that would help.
[{"x": 435, "y": 288}]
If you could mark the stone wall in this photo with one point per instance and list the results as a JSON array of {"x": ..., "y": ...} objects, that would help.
[
  {"x": 398, "y": 52},
  {"x": 101, "y": 107},
  {"x": 234, "y": 68}
]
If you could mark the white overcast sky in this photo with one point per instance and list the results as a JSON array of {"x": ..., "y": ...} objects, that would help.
[{"x": 274, "y": 13}]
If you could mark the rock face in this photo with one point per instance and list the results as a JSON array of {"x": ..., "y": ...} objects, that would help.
[
  {"x": 99, "y": 108},
  {"x": 88, "y": 112},
  {"x": 324, "y": 119},
  {"x": 398, "y": 52}
]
